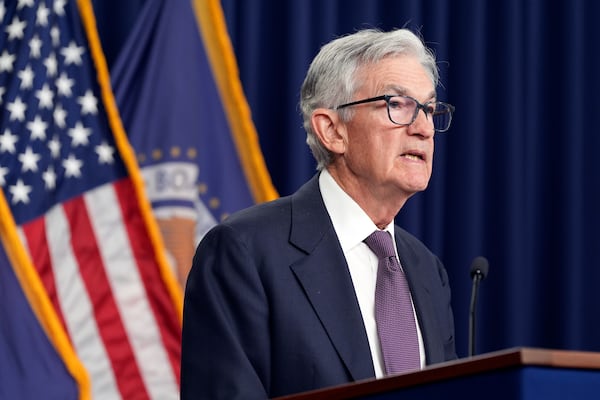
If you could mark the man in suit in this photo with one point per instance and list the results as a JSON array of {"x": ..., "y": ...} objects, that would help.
[{"x": 284, "y": 297}]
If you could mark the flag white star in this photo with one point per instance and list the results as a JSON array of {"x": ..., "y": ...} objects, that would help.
[
  {"x": 49, "y": 177},
  {"x": 3, "y": 173},
  {"x": 79, "y": 134},
  {"x": 24, "y": 3},
  {"x": 64, "y": 85},
  {"x": 54, "y": 146},
  {"x": 51, "y": 65},
  {"x": 6, "y": 61},
  {"x": 20, "y": 192},
  {"x": 17, "y": 109},
  {"x": 42, "y": 15},
  {"x": 26, "y": 76},
  {"x": 8, "y": 141},
  {"x": 105, "y": 153},
  {"x": 60, "y": 116},
  {"x": 45, "y": 96},
  {"x": 35, "y": 47},
  {"x": 72, "y": 166},
  {"x": 2, "y": 11},
  {"x": 59, "y": 7},
  {"x": 72, "y": 53},
  {"x": 16, "y": 29},
  {"x": 29, "y": 160},
  {"x": 37, "y": 128},
  {"x": 55, "y": 35},
  {"x": 88, "y": 102}
]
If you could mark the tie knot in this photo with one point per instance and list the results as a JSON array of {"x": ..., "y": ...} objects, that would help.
[{"x": 380, "y": 243}]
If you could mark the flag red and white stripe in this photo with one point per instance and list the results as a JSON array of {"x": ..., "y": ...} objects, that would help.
[{"x": 100, "y": 275}]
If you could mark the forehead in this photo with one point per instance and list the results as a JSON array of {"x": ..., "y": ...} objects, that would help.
[{"x": 397, "y": 75}]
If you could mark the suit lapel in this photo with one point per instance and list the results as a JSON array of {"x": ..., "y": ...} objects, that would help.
[
  {"x": 421, "y": 295},
  {"x": 324, "y": 275}
]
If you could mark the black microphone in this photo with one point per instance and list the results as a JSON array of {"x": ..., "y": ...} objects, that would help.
[{"x": 479, "y": 270}]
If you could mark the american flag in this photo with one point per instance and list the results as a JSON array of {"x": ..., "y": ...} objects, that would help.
[{"x": 77, "y": 206}]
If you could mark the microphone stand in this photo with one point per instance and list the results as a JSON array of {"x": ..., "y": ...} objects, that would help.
[
  {"x": 477, "y": 276},
  {"x": 479, "y": 270}
]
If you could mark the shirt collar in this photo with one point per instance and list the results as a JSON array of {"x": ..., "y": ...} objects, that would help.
[{"x": 352, "y": 225}]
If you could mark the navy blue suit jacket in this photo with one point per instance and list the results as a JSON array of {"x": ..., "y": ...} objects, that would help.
[{"x": 270, "y": 308}]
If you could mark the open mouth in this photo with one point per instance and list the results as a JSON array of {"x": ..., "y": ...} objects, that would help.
[{"x": 414, "y": 156}]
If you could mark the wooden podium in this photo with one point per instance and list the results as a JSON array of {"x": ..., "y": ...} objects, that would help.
[{"x": 513, "y": 374}]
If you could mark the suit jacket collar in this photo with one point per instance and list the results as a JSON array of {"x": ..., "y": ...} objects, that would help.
[
  {"x": 324, "y": 275},
  {"x": 418, "y": 277}
]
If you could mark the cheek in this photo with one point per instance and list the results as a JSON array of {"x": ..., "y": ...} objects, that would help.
[
  {"x": 375, "y": 154},
  {"x": 358, "y": 157},
  {"x": 372, "y": 149},
  {"x": 360, "y": 145}
]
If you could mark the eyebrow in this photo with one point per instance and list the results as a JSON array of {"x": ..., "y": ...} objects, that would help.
[{"x": 402, "y": 91}]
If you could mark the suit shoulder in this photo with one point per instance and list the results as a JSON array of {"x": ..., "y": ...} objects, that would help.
[
  {"x": 262, "y": 212},
  {"x": 410, "y": 240},
  {"x": 256, "y": 220}
]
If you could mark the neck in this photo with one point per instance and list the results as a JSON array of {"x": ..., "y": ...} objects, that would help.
[{"x": 380, "y": 205}]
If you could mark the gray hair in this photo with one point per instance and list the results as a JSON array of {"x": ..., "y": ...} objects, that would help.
[{"x": 331, "y": 79}]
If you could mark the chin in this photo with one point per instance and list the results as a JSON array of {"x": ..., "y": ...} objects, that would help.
[{"x": 415, "y": 187}]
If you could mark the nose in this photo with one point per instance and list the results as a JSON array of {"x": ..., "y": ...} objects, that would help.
[{"x": 422, "y": 125}]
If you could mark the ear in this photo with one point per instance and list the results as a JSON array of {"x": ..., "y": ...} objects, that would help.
[{"x": 330, "y": 130}]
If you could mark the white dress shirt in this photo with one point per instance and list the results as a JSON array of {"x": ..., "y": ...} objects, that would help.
[{"x": 352, "y": 225}]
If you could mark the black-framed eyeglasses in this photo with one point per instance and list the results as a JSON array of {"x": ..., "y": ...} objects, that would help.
[{"x": 403, "y": 110}]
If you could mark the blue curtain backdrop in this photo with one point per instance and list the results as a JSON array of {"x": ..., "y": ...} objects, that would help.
[{"x": 516, "y": 179}]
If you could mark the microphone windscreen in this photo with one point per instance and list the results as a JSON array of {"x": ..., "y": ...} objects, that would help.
[{"x": 480, "y": 265}]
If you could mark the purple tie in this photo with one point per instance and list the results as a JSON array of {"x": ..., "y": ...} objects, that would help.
[{"x": 393, "y": 309}]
